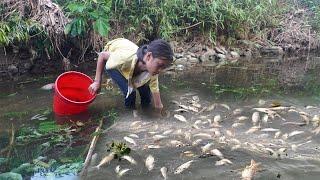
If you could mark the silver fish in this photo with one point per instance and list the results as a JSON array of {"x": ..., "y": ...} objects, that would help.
[
  {"x": 150, "y": 162},
  {"x": 293, "y": 133},
  {"x": 176, "y": 143},
  {"x": 277, "y": 134},
  {"x": 151, "y": 146},
  {"x": 123, "y": 171},
  {"x": 164, "y": 171},
  {"x": 117, "y": 169},
  {"x": 255, "y": 118},
  {"x": 180, "y": 118},
  {"x": 223, "y": 162},
  {"x": 130, "y": 159},
  {"x": 249, "y": 171},
  {"x": 130, "y": 140},
  {"x": 253, "y": 129},
  {"x": 217, "y": 119},
  {"x": 206, "y": 147},
  {"x": 225, "y": 106},
  {"x": 167, "y": 132},
  {"x": 269, "y": 130},
  {"x": 242, "y": 118},
  {"x": 265, "y": 118},
  {"x": 237, "y": 111},
  {"x": 183, "y": 167},
  {"x": 216, "y": 152},
  {"x": 48, "y": 86},
  {"x": 235, "y": 125},
  {"x": 106, "y": 160},
  {"x": 202, "y": 135},
  {"x": 196, "y": 142},
  {"x": 133, "y": 135}
]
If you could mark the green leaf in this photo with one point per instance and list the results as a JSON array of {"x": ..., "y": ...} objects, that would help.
[
  {"x": 76, "y": 7},
  {"x": 67, "y": 29},
  {"x": 101, "y": 26}
]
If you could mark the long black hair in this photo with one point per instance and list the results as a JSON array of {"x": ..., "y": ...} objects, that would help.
[{"x": 159, "y": 48}]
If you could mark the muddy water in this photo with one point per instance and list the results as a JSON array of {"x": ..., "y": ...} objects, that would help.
[{"x": 290, "y": 82}]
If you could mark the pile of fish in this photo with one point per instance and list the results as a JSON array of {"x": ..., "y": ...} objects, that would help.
[{"x": 270, "y": 131}]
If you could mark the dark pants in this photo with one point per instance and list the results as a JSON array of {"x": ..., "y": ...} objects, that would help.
[{"x": 122, "y": 82}]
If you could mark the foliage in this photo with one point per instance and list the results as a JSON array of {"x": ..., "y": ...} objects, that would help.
[
  {"x": 87, "y": 15},
  {"x": 119, "y": 149}
]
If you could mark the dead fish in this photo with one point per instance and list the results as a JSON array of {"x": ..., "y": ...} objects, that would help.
[
  {"x": 133, "y": 135},
  {"x": 195, "y": 127},
  {"x": 235, "y": 147},
  {"x": 294, "y": 147},
  {"x": 106, "y": 160},
  {"x": 265, "y": 118},
  {"x": 194, "y": 109},
  {"x": 164, "y": 171},
  {"x": 135, "y": 113},
  {"x": 206, "y": 147},
  {"x": 285, "y": 136},
  {"x": 237, "y": 111},
  {"x": 181, "y": 110},
  {"x": 253, "y": 129},
  {"x": 117, "y": 169},
  {"x": 230, "y": 133},
  {"x": 176, "y": 143},
  {"x": 197, "y": 122},
  {"x": 130, "y": 140},
  {"x": 277, "y": 134},
  {"x": 183, "y": 167},
  {"x": 255, "y": 118},
  {"x": 134, "y": 123},
  {"x": 149, "y": 162},
  {"x": 211, "y": 107},
  {"x": 316, "y": 131},
  {"x": 249, "y": 171},
  {"x": 316, "y": 120},
  {"x": 180, "y": 118},
  {"x": 130, "y": 159},
  {"x": 48, "y": 86},
  {"x": 269, "y": 130},
  {"x": 271, "y": 151},
  {"x": 123, "y": 172},
  {"x": 261, "y": 102},
  {"x": 311, "y": 107},
  {"x": 159, "y": 137},
  {"x": 235, "y": 125},
  {"x": 216, "y": 152},
  {"x": 293, "y": 133},
  {"x": 196, "y": 142},
  {"x": 203, "y": 135},
  {"x": 225, "y": 106},
  {"x": 242, "y": 118},
  {"x": 167, "y": 132},
  {"x": 217, "y": 119},
  {"x": 151, "y": 146},
  {"x": 223, "y": 162}
]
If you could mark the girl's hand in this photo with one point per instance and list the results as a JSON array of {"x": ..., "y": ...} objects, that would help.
[{"x": 94, "y": 87}]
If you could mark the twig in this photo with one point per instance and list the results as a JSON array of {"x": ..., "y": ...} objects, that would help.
[{"x": 84, "y": 171}]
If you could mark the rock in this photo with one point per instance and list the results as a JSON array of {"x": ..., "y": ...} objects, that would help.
[
  {"x": 208, "y": 56},
  {"x": 13, "y": 69},
  {"x": 271, "y": 51},
  {"x": 234, "y": 54}
]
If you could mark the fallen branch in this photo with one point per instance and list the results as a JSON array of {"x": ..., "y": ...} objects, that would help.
[{"x": 94, "y": 140}]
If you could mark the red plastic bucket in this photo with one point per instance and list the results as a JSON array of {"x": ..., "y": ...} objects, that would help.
[{"x": 71, "y": 93}]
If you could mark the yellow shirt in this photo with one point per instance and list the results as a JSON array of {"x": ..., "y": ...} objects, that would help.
[{"x": 123, "y": 57}]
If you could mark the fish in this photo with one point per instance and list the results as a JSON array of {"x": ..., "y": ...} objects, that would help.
[
  {"x": 133, "y": 135},
  {"x": 316, "y": 120},
  {"x": 217, "y": 119},
  {"x": 206, "y": 147},
  {"x": 261, "y": 102},
  {"x": 48, "y": 86},
  {"x": 211, "y": 107},
  {"x": 123, "y": 172},
  {"x": 249, "y": 171},
  {"x": 235, "y": 125},
  {"x": 277, "y": 134},
  {"x": 294, "y": 147},
  {"x": 203, "y": 135},
  {"x": 197, "y": 122},
  {"x": 311, "y": 107},
  {"x": 271, "y": 151},
  {"x": 150, "y": 162},
  {"x": 134, "y": 123},
  {"x": 164, "y": 171},
  {"x": 293, "y": 133},
  {"x": 130, "y": 140},
  {"x": 159, "y": 137},
  {"x": 305, "y": 118},
  {"x": 269, "y": 130},
  {"x": 316, "y": 131},
  {"x": 183, "y": 167},
  {"x": 216, "y": 152},
  {"x": 176, "y": 143},
  {"x": 265, "y": 118},
  {"x": 253, "y": 129},
  {"x": 130, "y": 159},
  {"x": 152, "y": 146},
  {"x": 223, "y": 162},
  {"x": 225, "y": 106},
  {"x": 285, "y": 136},
  {"x": 255, "y": 118},
  {"x": 106, "y": 160},
  {"x": 237, "y": 111},
  {"x": 242, "y": 118},
  {"x": 117, "y": 169},
  {"x": 196, "y": 142},
  {"x": 180, "y": 118},
  {"x": 181, "y": 110},
  {"x": 135, "y": 113},
  {"x": 167, "y": 132},
  {"x": 230, "y": 133}
]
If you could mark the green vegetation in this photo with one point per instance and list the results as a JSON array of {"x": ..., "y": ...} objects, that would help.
[{"x": 119, "y": 149}]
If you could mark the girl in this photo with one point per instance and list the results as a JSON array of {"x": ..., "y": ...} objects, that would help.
[{"x": 133, "y": 68}]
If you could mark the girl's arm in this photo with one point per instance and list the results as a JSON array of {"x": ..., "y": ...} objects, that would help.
[{"x": 157, "y": 100}]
